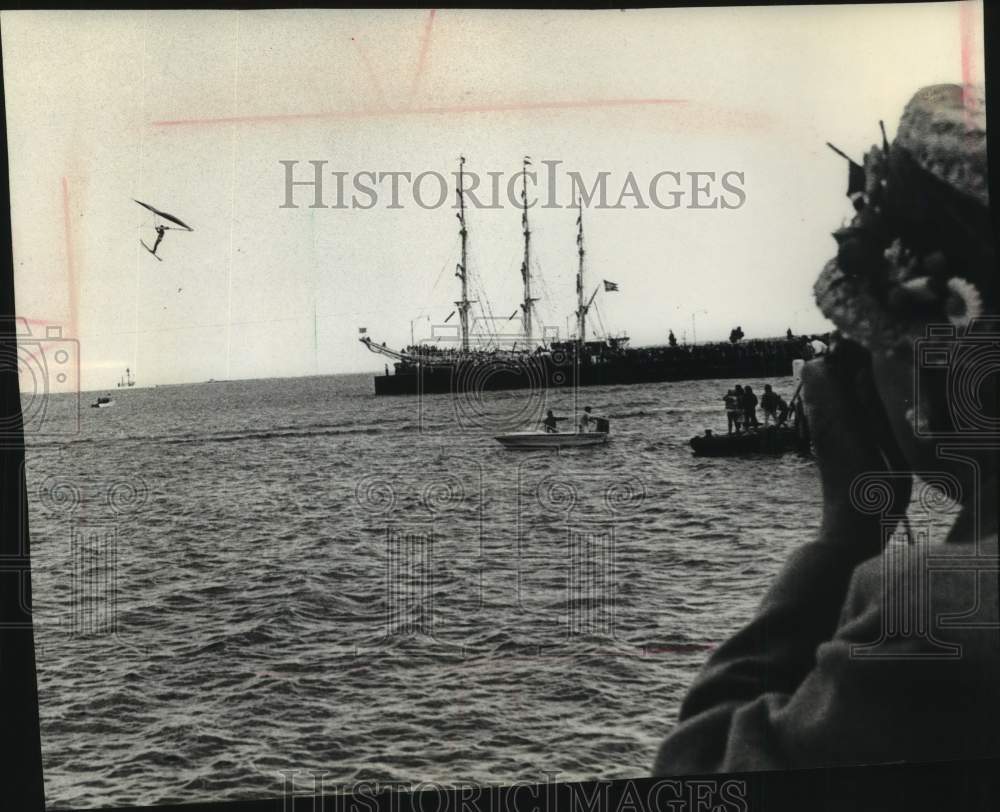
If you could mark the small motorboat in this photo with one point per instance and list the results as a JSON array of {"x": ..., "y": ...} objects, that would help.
[
  {"x": 766, "y": 440},
  {"x": 556, "y": 439},
  {"x": 102, "y": 403}
]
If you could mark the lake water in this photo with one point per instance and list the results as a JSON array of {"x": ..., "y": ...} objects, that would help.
[{"x": 235, "y": 580}]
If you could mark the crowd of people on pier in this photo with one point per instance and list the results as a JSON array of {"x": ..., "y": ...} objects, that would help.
[
  {"x": 766, "y": 356},
  {"x": 763, "y": 356}
]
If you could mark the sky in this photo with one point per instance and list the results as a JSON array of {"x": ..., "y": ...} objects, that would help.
[{"x": 194, "y": 112}]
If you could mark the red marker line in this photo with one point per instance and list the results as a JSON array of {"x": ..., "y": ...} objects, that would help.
[
  {"x": 370, "y": 71},
  {"x": 425, "y": 46},
  {"x": 71, "y": 277},
  {"x": 582, "y": 104},
  {"x": 965, "y": 29},
  {"x": 40, "y": 322}
]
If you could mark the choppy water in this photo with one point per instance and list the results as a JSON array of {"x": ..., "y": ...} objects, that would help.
[{"x": 238, "y": 579}]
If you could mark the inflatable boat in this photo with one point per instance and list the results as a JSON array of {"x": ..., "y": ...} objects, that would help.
[{"x": 765, "y": 440}]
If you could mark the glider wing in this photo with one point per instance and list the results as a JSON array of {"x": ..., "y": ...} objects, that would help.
[{"x": 165, "y": 216}]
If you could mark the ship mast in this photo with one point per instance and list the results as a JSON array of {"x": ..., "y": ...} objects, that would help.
[
  {"x": 581, "y": 308},
  {"x": 526, "y": 305},
  {"x": 460, "y": 272}
]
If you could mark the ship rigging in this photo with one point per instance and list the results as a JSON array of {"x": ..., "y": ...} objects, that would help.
[
  {"x": 536, "y": 359},
  {"x": 419, "y": 355}
]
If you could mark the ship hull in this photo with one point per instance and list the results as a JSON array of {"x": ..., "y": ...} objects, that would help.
[{"x": 542, "y": 372}]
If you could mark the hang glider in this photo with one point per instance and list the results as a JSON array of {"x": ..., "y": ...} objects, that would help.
[
  {"x": 169, "y": 217},
  {"x": 160, "y": 229}
]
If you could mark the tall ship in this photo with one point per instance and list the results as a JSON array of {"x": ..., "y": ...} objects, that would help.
[{"x": 489, "y": 359}]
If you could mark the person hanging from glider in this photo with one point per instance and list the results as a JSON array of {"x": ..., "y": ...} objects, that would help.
[{"x": 161, "y": 230}]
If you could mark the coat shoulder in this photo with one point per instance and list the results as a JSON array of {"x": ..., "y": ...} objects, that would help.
[{"x": 944, "y": 595}]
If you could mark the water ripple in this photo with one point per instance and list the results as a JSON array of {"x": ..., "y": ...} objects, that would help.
[{"x": 317, "y": 579}]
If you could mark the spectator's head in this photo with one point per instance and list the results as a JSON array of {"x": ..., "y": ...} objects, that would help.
[
  {"x": 919, "y": 256},
  {"x": 767, "y": 387}
]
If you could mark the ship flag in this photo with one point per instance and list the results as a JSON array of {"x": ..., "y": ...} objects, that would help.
[
  {"x": 609, "y": 286},
  {"x": 362, "y": 330}
]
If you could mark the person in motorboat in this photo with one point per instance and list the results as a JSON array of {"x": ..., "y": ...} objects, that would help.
[
  {"x": 549, "y": 423},
  {"x": 586, "y": 419}
]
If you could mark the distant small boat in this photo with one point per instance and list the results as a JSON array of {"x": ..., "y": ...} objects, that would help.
[
  {"x": 102, "y": 403},
  {"x": 766, "y": 440}
]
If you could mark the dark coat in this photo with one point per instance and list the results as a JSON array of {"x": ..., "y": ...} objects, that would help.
[{"x": 818, "y": 678}]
